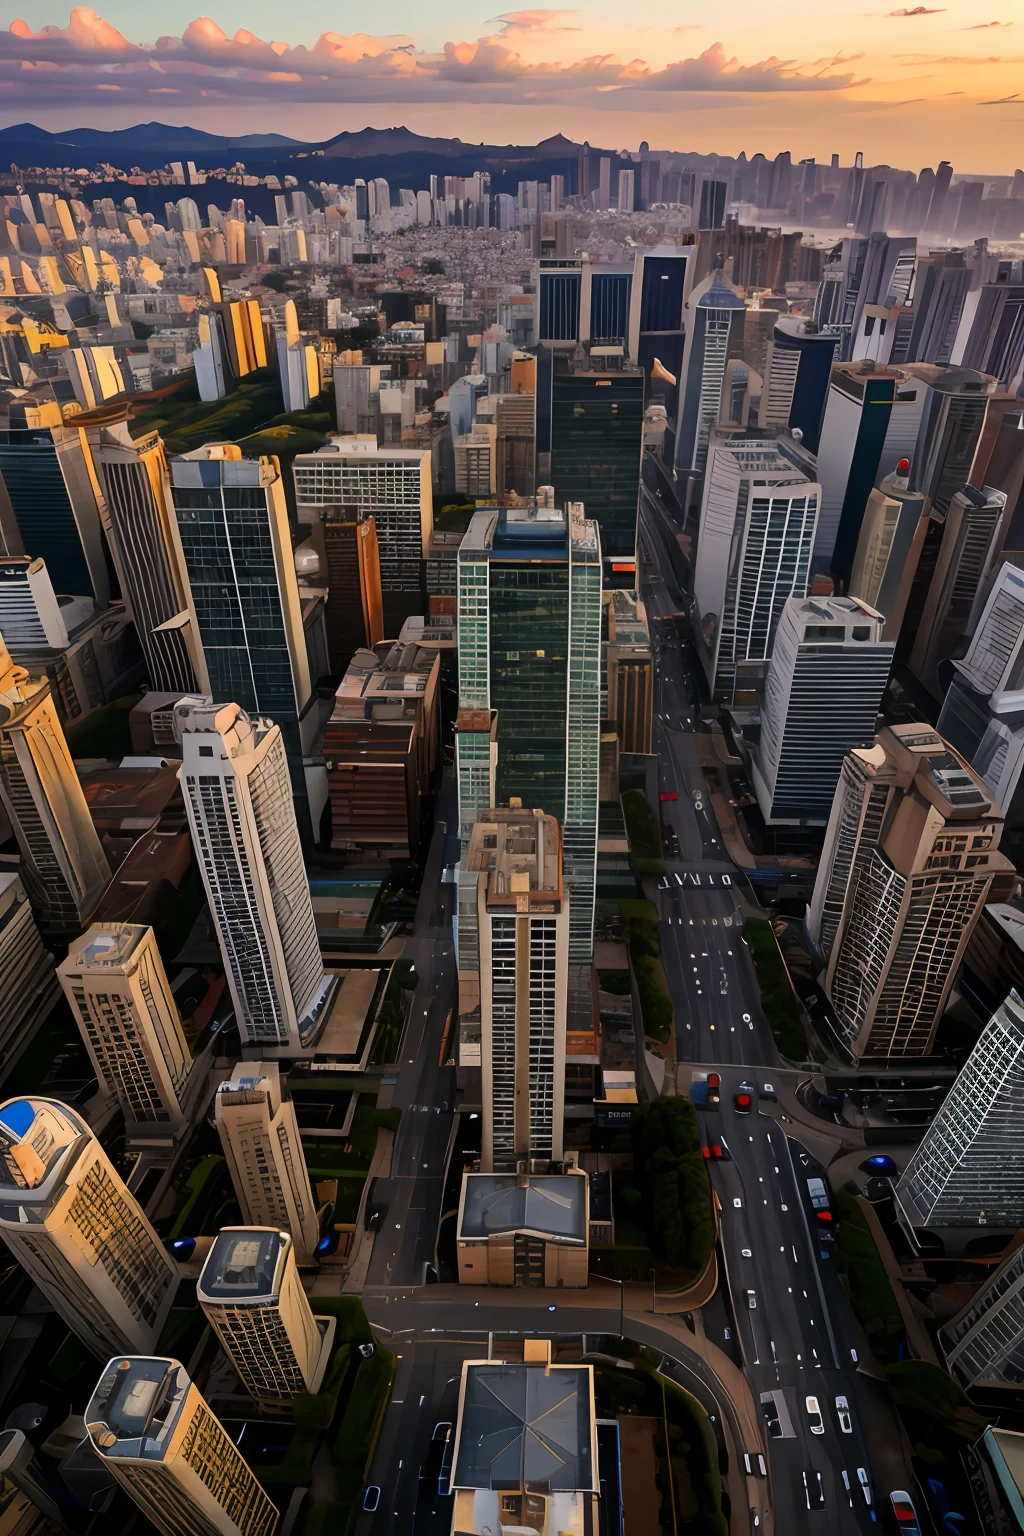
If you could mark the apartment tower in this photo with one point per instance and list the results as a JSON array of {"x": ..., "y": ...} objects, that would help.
[
  {"x": 71, "y": 1222},
  {"x": 28, "y": 982},
  {"x": 252, "y": 1297},
  {"x": 238, "y": 800},
  {"x": 152, "y": 1430},
  {"x": 260, "y": 1138}
]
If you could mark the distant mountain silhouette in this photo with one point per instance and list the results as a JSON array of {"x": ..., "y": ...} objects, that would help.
[{"x": 162, "y": 138}]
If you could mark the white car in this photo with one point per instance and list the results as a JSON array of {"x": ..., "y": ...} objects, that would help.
[
  {"x": 843, "y": 1415},
  {"x": 746, "y": 1253},
  {"x": 865, "y": 1485},
  {"x": 737, "y": 1203},
  {"x": 814, "y": 1415},
  {"x": 752, "y": 1300}
]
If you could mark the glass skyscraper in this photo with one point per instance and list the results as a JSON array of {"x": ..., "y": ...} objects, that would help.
[
  {"x": 530, "y": 648},
  {"x": 596, "y": 442}
]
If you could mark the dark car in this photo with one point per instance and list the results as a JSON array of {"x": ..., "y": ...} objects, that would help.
[
  {"x": 371, "y": 1498},
  {"x": 743, "y": 1099},
  {"x": 881, "y": 1163}
]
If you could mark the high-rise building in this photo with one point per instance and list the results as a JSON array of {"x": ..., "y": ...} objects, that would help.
[
  {"x": 798, "y": 366},
  {"x": 969, "y": 1169},
  {"x": 28, "y": 982},
  {"x": 243, "y": 591},
  {"x": 628, "y": 670},
  {"x": 826, "y": 678},
  {"x": 46, "y": 475},
  {"x": 889, "y": 546},
  {"x": 391, "y": 485},
  {"x": 260, "y": 1137},
  {"x": 984, "y": 1343},
  {"x": 354, "y": 614},
  {"x": 70, "y": 1221},
  {"x": 991, "y": 333},
  {"x": 516, "y": 420},
  {"x": 596, "y": 444},
  {"x": 530, "y": 648},
  {"x": 238, "y": 800},
  {"x": 252, "y": 1297},
  {"x": 512, "y": 879},
  {"x": 717, "y": 312},
  {"x": 912, "y": 864},
  {"x": 758, "y": 515},
  {"x": 63, "y": 864},
  {"x": 151, "y": 1428},
  {"x": 140, "y": 526},
  {"x": 115, "y": 981},
  {"x": 970, "y": 534}
]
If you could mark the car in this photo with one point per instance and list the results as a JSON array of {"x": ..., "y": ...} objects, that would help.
[
  {"x": 881, "y": 1163},
  {"x": 746, "y": 1253},
  {"x": 714, "y": 1090},
  {"x": 737, "y": 1203},
  {"x": 820, "y": 1203},
  {"x": 772, "y": 1422},
  {"x": 814, "y": 1495},
  {"x": 752, "y": 1300},
  {"x": 371, "y": 1499},
  {"x": 813, "y": 1411},
  {"x": 768, "y": 1092},
  {"x": 843, "y": 1415},
  {"x": 714, "y": 1080},
  {"x": 865, "y": 1484},
  {"x": 754, "y": 1465},
  {"x": 846, "y": 1484},
  {"x": 743, "y": 1099},
  {"x": 905, "y": 1513},
  {"x": 668, "y": 794}
]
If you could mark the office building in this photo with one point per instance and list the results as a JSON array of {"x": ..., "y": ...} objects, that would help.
[
  {"x": 923, "y": 860},
  {"x": 152, "y": 1430},
  {"x": 243, "y": 591},
  {"x": 252, "y": 1298},
  {"x": 47, "y": 478},
  {"x": 717, "y": 312},
  {"x": 826, "y": 678},
  {"x": 63, "y": 864},
  {"x": 382, "y": 749},
  {"x": 72, "y": 1224},
  {"x": 516, "y": 421},
  {"x": 356, "y": 394},
  {"x": 476, "y": 454},
  {"x": 559, "y": 292},
  {"x": 28, "y": 982},
  {"x": 970, "y": 534},
  {"x": 969, "y": 1169},
  {"x": 391, "y": 485},
  {"x": 354, "y": 614},
  {"x": 237, "y": 794},
  {"x": 629, "y": 675},
  {"x": 524, "y": 1231},
  {"x": 525, "y": 1455},
  {"x": 758, "y": 516},
  {"x": 984, "y": 1343},
  {"x": 140, "y": 526},
  {"x": 991, "y": 333},
  {"x": 889, "y": 546},
  {"x": 798, "y": 366},
  {"x": 530, "y": 648},
  {"x": 259, "y": 1135},
  {"x": 115, "y": 981},
  {"x": 596, "y": 444},
  {"x": 513, "y": 869},
  {"x": 476, "y": 765},
  {"x": 662, "y": 275},
  {"x": 929, "y": 333}
]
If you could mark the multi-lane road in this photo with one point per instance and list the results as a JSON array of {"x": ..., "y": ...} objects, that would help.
[{"x": 791, "y": 1325}]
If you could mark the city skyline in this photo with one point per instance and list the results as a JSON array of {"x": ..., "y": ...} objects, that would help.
[{"x": 936, "y": 81}]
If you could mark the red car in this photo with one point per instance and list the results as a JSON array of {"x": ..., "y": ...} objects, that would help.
[{"x": 668, "y": 794}]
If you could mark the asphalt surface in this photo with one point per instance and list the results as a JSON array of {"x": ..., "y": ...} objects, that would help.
[{"x": 791, "y": 1323}]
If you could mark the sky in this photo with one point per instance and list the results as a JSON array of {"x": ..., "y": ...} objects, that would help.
[{"x": 908, "y": 85}]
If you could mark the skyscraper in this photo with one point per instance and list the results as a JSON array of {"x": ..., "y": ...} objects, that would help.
[
  {"x": 115, "y": 981},
  {"x": 797, "y": 371},
  {"x": 514, "y": 861},
  {"x": 596, "y": 443},
  {"x": 530, "y": 648},
  {"x": 393, "y": 486},
  {"x": 717, "y": 311},
  {"x": 151, "y": 1428},
  {"x": 922, "y": 861},
  {"x": 70, "y": 1221},
  {"x": 970, "y": 535},
  {"x": 63, "y": 864},
  {"x": 984, "y": 1344},
  {"x": 758, "y": 515},
  {"x": 238, "y": 800},
  {"x": 260, "y": 1137},
  {"x": 354, "y": 614},
  {"x": 252, "y": 1297},
  {"x": 889, "y": 546},
  {"x": 969, "y": 1169},
  {"x": 237, "y": 548},
  {"x": 825, "y": 682},
  {"x": 28, "y": 983}
]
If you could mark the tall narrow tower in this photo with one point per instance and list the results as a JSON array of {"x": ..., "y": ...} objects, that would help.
[
  {"x": 63, "y": 865},
  {"x": 72, "y": 1224},
  {"x": 115, "y": 981},
  {"x": 260, "y": 1137},
  {"x": 152, "y": 1429},
  {"x": 238, "y": 800}
]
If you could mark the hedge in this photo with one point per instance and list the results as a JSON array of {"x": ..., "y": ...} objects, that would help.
[
  {"x": 778, "y": 999},
  {"x": 669, "y": 1168},
  {"x": 871, "y": 1294},
  {"x": 643, "y": 833},
  {"x": 651, "y": 982}
]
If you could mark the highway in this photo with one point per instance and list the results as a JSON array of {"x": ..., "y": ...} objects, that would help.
[{"x": 791, "y": 1324}]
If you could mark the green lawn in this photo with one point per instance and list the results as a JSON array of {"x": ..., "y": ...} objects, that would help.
[
  {"x": 860, "y": 1264},
  {"x": 778, "y": 999}
]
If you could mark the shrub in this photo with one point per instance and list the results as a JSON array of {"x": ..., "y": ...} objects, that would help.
[
  {"x": 669, "y": 1169},
  {"x": 778, "y": 999},
  {"x": 643, "y": 833}
]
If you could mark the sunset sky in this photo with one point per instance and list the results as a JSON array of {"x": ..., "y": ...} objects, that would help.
[{"x": 909, "y": 85}]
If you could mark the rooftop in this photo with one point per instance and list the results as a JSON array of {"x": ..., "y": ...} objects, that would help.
[
  {"x": 527, "y": 1427},
  {"x": 135, "y": 1407},
  {"x": 555, "y": 1205},
  {"x": 34, "y": 1136},
  {"x": 521, "y": 851},
  {"x": 243, "y": 1265}
]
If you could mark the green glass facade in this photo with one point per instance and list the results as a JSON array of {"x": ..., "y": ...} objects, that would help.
[
  {"x": 529, "y": 624},
  {"x": 596, "y": 443}
]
